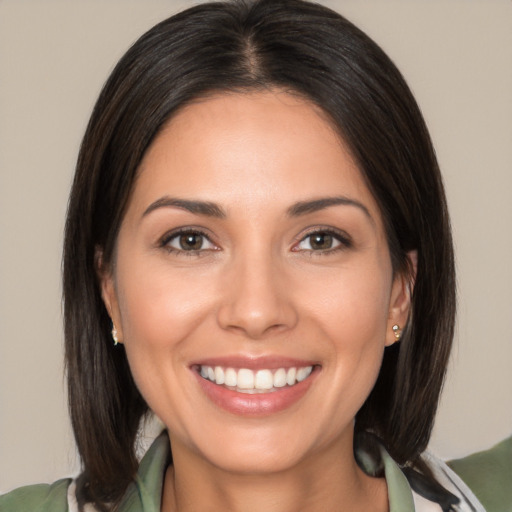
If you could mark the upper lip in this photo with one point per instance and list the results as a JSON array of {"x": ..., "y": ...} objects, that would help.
[{"x": 255, "y": 362}]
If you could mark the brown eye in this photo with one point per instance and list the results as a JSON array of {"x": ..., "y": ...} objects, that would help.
[
  {"x": 188, "y": 241},
  {"x": 321, "y": 241},
  {"x": 191, "y": 241}
]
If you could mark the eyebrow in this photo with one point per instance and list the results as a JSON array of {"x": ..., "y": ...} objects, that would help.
[
  {"x": 306, "y": 207},
  {"x": 198, "y": 207},
  {"x": 210, "y": 209}
]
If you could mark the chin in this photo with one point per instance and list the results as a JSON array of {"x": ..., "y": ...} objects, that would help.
[
  {"x": 261, "y": 448},
  {"x": 258, "y": 460}
]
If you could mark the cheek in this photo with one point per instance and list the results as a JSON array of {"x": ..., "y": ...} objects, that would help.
[
  {"x": 352, "y": 303},
  {"x": 160, "y": 306},
  {"x": 161, "y": 311},
  {"x": 352, "y": 316}
]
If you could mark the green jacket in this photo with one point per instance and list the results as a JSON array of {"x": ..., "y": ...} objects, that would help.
[{"x": 489, "y": 474}]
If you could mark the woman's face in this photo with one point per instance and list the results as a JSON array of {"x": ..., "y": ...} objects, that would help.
[{"x": 252, "y": 285}]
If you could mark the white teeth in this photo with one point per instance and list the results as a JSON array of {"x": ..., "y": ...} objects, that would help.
[
  {"x": 219, "y": 375},
  {"x": 245, "y": 379},
  {"x": 302, "y": 373},
  {"x": 280, "y": 378},
  {"x": 249, "y": 381},
  {"x": 230, "y": 377},
  {"x": 290, "y": 376},
  {"x": 264, "y": 380}
]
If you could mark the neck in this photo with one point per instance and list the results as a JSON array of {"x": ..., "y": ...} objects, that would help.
[{"x": 330, "y": 481}]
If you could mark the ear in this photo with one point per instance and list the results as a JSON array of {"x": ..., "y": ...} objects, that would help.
[
  {"x": 400, "y": 300},
  {"x": 108, "y": 291}
]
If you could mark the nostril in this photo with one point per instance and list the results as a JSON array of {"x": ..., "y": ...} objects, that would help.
[
  {"x": 256, "y": 324},
  {"x": 254, "y": 301}
]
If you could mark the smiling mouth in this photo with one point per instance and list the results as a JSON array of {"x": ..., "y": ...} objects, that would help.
[{"x": 244, "y": 380}]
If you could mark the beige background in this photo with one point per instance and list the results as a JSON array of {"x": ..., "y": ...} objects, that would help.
[{"x": 54, "y": 57}]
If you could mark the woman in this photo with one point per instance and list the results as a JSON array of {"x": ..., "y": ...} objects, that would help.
[{"x": 255, "y": 240}]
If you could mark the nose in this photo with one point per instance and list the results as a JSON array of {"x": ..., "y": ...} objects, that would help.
[{"x": 256, "y": 300}]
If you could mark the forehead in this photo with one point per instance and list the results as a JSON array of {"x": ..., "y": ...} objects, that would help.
[{"x": 250, "y": 147}]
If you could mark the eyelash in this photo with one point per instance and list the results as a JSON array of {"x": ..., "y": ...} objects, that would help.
[
  {"x": 174, "y": 235},
  {"x": 342, "y": 238},
  {"x": 344, "y": 242}
]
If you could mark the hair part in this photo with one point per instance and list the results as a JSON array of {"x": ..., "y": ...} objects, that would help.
[{"x": 242, "y": 46}]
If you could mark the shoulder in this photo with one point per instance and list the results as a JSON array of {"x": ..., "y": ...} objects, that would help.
[
  {"x": 489, "y": 475},
  {"x": 37, "y": 498}
]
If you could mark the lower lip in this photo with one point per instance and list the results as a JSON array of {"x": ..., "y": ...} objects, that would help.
[{"x": 259, "y": 404}]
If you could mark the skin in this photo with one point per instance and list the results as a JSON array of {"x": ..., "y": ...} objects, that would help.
[{"x": 257, "y": 286}]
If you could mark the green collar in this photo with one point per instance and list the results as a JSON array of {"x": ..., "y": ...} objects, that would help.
[
  {"x": 145, "y": 494},
  {"x": 399, "y": 491}
]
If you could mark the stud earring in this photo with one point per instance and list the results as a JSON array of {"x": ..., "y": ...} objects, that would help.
[
  {"x": 114, "y": 335},
  {"x": 397, "y": 332}
]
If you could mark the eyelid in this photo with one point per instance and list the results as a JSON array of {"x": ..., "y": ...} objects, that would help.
[
  {"x": 344, "y": 239},
  {"x": 164, "y": 240}
]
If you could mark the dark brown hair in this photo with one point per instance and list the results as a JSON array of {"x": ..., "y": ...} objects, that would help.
[{"x": 237, "y": 46}]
